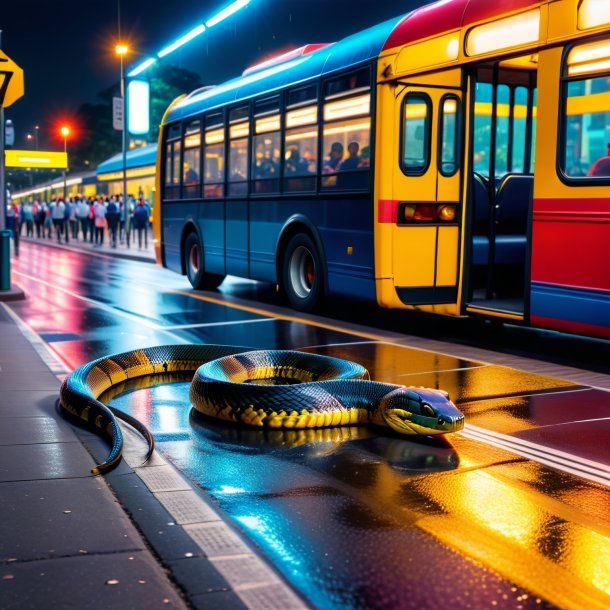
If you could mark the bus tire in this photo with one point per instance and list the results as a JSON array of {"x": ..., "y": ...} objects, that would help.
[
  {"x": 199, "y": 279},
  {"x": 302, "y": 273}
]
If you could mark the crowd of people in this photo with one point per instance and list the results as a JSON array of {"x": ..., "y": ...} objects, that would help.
[{"x": 81, "y": 218}]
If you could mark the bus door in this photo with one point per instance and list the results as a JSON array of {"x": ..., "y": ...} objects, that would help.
[
  {"x": 503, "y": 100},
  {"x": 427, "y": 187}
]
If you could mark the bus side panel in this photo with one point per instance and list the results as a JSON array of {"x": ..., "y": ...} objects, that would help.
[
  {"x": 237, "y": 238},
  {"x": 344, "y": 227},
  {"x": 174, "y": 216},
  {"x": 571, "y": 266},
  {"x": 347, "y": 234},
  {"x": 570, "y": 272},
  {"x": 212, "y": 228}
]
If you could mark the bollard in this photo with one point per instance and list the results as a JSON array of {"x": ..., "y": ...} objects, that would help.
[{"x": 5, "y": 260}]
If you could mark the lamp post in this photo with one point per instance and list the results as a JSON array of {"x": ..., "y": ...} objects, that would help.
[
  {"x": 121, "y": 50},
  {"x": 36, "y": 129},
  {"x": 65, "y": 132}
]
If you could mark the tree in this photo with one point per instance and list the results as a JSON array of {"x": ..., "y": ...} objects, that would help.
[{"x": 95, "y": 140}]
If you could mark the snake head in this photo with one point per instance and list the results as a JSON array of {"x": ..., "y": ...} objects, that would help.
[{"x": 410, "y": 410}]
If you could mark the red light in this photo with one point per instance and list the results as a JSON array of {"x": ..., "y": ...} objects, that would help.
[{"x": 425, "y": 212}]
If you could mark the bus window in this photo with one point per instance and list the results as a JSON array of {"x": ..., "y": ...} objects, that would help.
[
  {"x": 172, "y": 163},
  {"x": 266, "y": 155},
  {"x": 213, "y": 164},
  {"x": 347, "y": 144},
  {"x": 449, "y": 160},
  {"x": 586, "y": 116},
  {"x": 417, "y": 113},
  {"x": 238, "y": 159},
  {"x": 482, "y": 128},
  {"x": 191, "y": 162},
  {"x": 301, "y": 149},
  {"x": 517, "y": 161},
  {"x": 502, "y": 129}
]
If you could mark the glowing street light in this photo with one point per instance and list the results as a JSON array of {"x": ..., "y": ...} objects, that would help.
[
  {"x": 221, "y": 15},
  {"x": 121, "y": 50},
  {"x": 65, "y": 132}
]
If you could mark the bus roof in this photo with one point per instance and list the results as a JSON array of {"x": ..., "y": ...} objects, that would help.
[
  {"x": 427, "y": 21},
  {"x": 350, "y": 51},
  {"x": 447, "y": 15},
  {"x": 138, "y": 157}
]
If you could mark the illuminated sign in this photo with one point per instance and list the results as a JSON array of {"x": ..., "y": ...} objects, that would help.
[
  {"x": 35, "y": 158},
  {"x": 138, "y": 111},
  {"x": 11, "y": 81}
]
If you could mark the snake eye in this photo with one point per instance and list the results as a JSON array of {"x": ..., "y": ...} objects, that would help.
[{"x": 427, "y": 410}]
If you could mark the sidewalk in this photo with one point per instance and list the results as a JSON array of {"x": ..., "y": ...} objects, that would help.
[
  {"x": 66, "y": 542},
  {"x": 139, "y": 537},
  {"x": 144, "y": 254}
]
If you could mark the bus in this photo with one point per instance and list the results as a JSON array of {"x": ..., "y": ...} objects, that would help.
[{"x": 450, "y": 161}]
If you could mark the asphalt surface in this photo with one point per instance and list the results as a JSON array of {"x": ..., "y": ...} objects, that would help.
[{"x": 509, "y": 514}]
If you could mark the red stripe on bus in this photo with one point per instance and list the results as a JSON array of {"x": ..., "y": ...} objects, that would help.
[
  {"x": 480, "y": 10},
  {"x": 570, "y": 240},
  {"x": 388, "y": 211},
  {"x": 572, "y": 210},
  {"x": 567, "y": 326},
  {"x": 427, "y": 21},
  {"x": 440, "y": 17}
]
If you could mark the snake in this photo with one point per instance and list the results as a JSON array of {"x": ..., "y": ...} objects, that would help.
[{"x": 274, "y": 389}]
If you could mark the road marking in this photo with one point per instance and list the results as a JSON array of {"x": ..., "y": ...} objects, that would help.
[
  {"x": 537, "y": 453},
  {"x": 206, "y": 324},
  {"x": 555, "y": 458}
]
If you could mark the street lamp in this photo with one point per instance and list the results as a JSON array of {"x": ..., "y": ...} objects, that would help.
[
  {"x": 65, "y": 132},
  {"x": 36, "y": 129},
  {"x": 121, "y": 50}
]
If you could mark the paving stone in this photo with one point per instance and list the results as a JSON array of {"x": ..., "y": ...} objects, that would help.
[{"x": 65, "y": 517}]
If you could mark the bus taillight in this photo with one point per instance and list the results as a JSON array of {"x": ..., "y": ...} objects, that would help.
[{"x": 426, "y": 212}]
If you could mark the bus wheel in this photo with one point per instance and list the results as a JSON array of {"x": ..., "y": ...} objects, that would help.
[
  {"x": 302, "y": 275},
  {"x": 199, "y": 279}
]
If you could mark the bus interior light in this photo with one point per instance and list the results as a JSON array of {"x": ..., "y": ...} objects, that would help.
[
  {"x": 215, "y": 137},
  {"x": 270, "y": 123},
  {"x": 504, "y": 33},
  {"x": 346, "y": 108},
  {"x": 302, "y": 116},
  {"x": 593, "y": 13},
  {"x": 587, "y": 58},
  {"x": 240, "y": 130}
]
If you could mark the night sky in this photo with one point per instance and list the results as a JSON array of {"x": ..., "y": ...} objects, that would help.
[{"x": 66, "y": 48}]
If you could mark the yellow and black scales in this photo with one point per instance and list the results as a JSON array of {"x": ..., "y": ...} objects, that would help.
[{"x": 266, "y": 388}]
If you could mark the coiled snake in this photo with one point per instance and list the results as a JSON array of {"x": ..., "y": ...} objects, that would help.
[{"x": 265, "y": 388}]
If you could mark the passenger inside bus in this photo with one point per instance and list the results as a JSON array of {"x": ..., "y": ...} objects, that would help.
[
  {"x": 295, "y": 164},
  {"x": 353, "y": 159},
  {"x": 602, "y": 166},
  {"x": 335, "y": 155}
]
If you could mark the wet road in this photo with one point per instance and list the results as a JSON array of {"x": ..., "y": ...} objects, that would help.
[{"x": 512, "y": 513}]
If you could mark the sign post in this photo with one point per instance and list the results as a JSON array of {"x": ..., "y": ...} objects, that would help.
[{"x": 11, "y": 89}]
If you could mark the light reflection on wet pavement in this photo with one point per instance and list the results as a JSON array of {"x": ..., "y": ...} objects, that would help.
[{"x": 359, "y": 517}]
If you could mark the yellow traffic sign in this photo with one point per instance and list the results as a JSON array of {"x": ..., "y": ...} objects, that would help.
[
  {"x": 11, "y": 81},
  {"x": 35, "y": 158}
]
